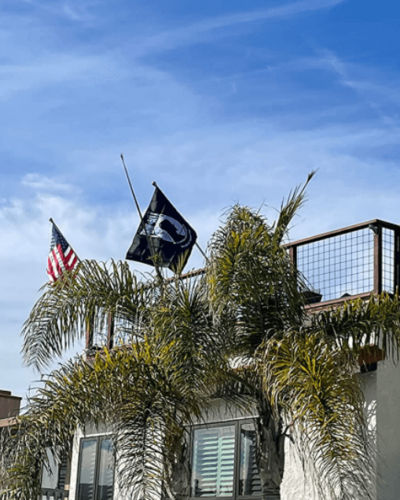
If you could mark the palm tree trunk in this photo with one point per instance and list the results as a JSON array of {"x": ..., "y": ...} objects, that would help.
[
  {"x": 179, "y": 487},
  {"x": 270, "y": 450}
]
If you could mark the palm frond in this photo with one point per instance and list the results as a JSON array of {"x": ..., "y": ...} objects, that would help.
[
  {"x": 360, "y": 324},
  {"x": 312, "y": 384},
  {"x": 147, "y": 392},
  {"x": 289, "y": 209},
  {"x": 251, "y": 274},
  {"x": 68, "y": 307}
]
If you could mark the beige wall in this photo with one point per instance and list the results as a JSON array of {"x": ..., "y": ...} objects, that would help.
[{"x": 9, "y": 404}]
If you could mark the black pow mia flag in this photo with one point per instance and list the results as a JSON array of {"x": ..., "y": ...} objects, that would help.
[{"x": 163, "y": 236}]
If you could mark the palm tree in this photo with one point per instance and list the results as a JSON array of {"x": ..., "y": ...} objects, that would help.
[
  {"x": 148, "y": 392},
  {"x": 240, "y": 332},
  {"x": 302, "y": 365}
]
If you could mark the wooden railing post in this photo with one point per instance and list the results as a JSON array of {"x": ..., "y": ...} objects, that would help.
[
  {"x": 89, "y": 332},
  {"x": 110, "y": 331},
  {"x": 293, "y": 255},
  {"x": 378, "y": 259}
]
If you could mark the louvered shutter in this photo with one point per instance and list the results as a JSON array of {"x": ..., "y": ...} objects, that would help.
[
  {"x": 62, "y": 472},
  {"x": 213, "y": 462},
  {"x": 249, "y": 478}
]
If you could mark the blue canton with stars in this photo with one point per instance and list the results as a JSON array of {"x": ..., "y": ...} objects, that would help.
[{"x": 58, "y": 239}]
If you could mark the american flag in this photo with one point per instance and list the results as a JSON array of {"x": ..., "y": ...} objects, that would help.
[{"x": 61, "y": 258}]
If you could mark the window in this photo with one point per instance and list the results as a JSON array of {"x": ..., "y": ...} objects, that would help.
[
  {"x": 55, "y": 477},
  {"x": 224, "y": 462},
  {"x": 96, "y": 469}
]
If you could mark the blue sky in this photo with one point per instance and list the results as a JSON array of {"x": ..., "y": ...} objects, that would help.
[{"x": 217, "y": 101}]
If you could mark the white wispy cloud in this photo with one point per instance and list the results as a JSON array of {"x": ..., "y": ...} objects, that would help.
[
  {"x": 42, "y": 183},
  {"x": 77, "y": 13},
  {"x": 366, "y": 82},
  {"x": 195, "y": 32},
  {"x": 71, "y": 13},
  {"x": 57, "y": 68}
]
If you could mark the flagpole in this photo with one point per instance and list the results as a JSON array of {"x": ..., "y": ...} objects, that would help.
[
  {"x": 157, "y": 268},
  {"x": 59, "y": 230},
  {"x": 154, "y": 183},
  {"x": 202, "y": 253},
  {"x": 130, "y": 185}
]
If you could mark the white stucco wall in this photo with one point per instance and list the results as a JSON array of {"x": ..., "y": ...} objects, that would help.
[
  {"x": 74, "y": 464},
  {"x": 219, "y": 411},
  {"x": 388, "y": 430},
  {"x": 294, "y": 485}
]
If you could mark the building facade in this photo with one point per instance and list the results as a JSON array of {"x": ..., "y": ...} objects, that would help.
[{"x": 9, "y": 407}]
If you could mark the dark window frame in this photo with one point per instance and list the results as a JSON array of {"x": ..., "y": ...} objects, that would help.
[
  {"x": 99, "y": 439},
  {"x": 237, "y": 423}
]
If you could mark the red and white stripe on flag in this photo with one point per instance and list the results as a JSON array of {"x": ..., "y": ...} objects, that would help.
[{"x": 58, "y": 262}]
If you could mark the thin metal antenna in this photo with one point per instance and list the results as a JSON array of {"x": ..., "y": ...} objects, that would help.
[
  {"x": 202, "y": 253},
  {"x": 130, "y": 185},
  {"x": 149, "y": 242}
]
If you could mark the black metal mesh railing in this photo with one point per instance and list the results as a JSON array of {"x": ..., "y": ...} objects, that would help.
[
  {"x": 100, "y": 329},
  {"x": 339, "y": 265},
  {"x": 352, "y": 261}
]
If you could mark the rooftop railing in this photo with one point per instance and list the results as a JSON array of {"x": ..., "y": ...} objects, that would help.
[{"x": 350, "y": 262}]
